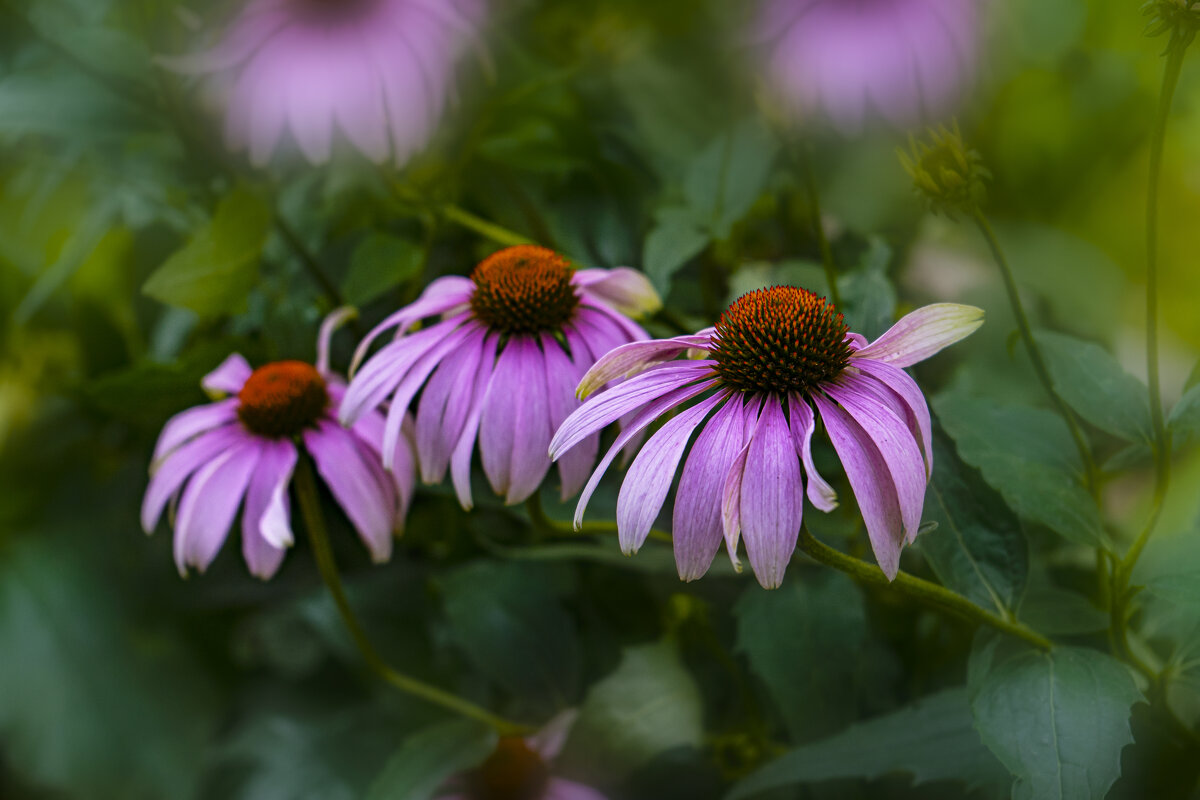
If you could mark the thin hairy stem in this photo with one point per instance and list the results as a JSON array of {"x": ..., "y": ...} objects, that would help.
[
  {"x": 1035, "y": 353},
  {"x": 310, "y": 507},
  {"x": 918, "y": 589},
  {"x": 486, "y": 229}
]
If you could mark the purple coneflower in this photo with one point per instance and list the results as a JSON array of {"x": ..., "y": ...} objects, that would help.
[
  {"x": 778, "y": 360},
  {"x": 520, "y": 769},
  {"x": 381, "y": 70},
  {"x": 501, "y": 366},
  {"x": 240, "y": 452},
  {"x": 904, "y": 59}
]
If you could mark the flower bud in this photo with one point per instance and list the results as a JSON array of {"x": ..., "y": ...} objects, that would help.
[
  {"x": 1180, "y": 18},
  {"x": 948, "y": 175}
]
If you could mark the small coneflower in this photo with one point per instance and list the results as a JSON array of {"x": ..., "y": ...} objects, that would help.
[
  {"x": 779, "y": 360},
  {"x": 240, "y": 452},
  {"x": 501, "y": 366},
  {"x": 906, "y": 60},
  {"x": 380, "y": 70},
  {"x": 520, "y": 768}
]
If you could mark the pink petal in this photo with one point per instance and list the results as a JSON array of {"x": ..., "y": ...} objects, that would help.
[
  {"x": 460, "y": 459},
  {"x": 561, "y": 376},
  {"x": 803, "y": 423},
  {"x": 358, "y": 483},
  {"x": 923, "y": 333},
  {"x": 171, "y": 473},
  {"x": 209, "y": 504},
  {"x": 266, "y": 518},
  {"x": 187, "y": 425},
  {"x": 440, "y": 297},
  {"x": 911, "y": 400},
  {"x": 514, "y": 431},
  {"x": 771, "y": 496},
  {"x": 444, "y": 406},
  {"x": 625, "y": 290},
  {"x": 636, "y": 357},
  {"x": 229, "y": 377}
]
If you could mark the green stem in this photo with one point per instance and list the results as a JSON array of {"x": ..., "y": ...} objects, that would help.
[
  {"x": 537, "y": 515},
  {"x": 488, "y": 230},
  {"x": 814, "y": 204},
  {"x": 922, "y": 590},
  {"x": 1035, "y": 353},
  {"x": 1162, "y": 440},
  {"x": 310, "y": 507}
]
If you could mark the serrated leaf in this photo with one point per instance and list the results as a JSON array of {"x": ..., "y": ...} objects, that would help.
[
  {"x": 978, "y": 549},
  {"x": 514, "y": 630},
  {"x": 214, "y": 272},
  {"x": 805, "y": 641},
  {"x": 931, "y": 740},
  {"x": 726, "y": 179},
  {"x": 1099, "y": 389},
  {"x": 1057, "y": 720},
  {"x": 668, "y": 247},
  {"x": 1027, "y": 455},
  {"x": 426, "y": 759},
  {"x": 648, "y": 705},
  {"x": 381, "y": 262}
]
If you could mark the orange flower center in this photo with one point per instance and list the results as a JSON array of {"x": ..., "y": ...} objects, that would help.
[
  {"x": 524, "y": 289},
  {"x": 782, "y": 339},
  {"x": 512, "y": 772},
  {"x": 282, "y": 399}
]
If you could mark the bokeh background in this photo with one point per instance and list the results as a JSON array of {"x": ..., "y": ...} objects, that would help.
[{"x": 593, "y": 126}]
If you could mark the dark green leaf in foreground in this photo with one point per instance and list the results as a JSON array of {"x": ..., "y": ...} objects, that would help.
[
  {"x": 1057, "y": 720},
  {"x": 427, "y": 759},
  {"x": 978, "y": 549},
  {"x": 648, "y": 705},
  {"x": 1091, "y": 381},
  {"x": 931, "y": 740},
  {"x": 805, "y": 642},
  {"x": 1027, "y": 455},
  {"x": 214, "y": 272}
]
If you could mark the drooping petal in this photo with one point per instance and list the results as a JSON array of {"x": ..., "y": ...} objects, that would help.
[
  {"x": 514, "y": 431},
  {"x": 696, "y": 525},
  {"x": 897, "y": 446},
  {"x": 266, "y": 518},
  {"x": 228, "y": 377},
  {"x": 460, "y": 459},
  {"x": 650, "y": 476},
  {"x": 180, "y": 464},
  {"x": 387, "y": 368},
  {"x": 771, "y": 496},
  {"x": 731, "y": 491},
  {"x": 549, "y": 741},
  {"x": 440, "y": 297},
  {"x": 630, "y": 330},
  {"x": 562, "y": 373},
  {"x": 334, "y": 320},
  {"x": 871, "y": 481},
  {"x": 562, "y": 789},
  {"x": 210, "y": 503},
  {"x": 606, "y": 408},
  {"x": 443, "y": 408},
  {"x": 187, "y": 425},
  {"x": 922, "y": 333},
  {"x": 908, "y": 395},
  {"x": 633, "y": 358},
  {"x": 626, "y": 290},
  {"x": 803, "y": 423},
  {"x": 357, "y": 482},
  {"x": 633, "y": 428}
]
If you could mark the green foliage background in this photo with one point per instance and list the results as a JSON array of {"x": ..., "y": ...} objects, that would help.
[{"x": 135, "y": 254}]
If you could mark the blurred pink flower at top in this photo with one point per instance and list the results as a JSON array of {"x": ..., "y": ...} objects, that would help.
[
  {"x": 906, "y": 60},
  {"x": 380, "y": 70},
  {"x": 521, "y": 769}
]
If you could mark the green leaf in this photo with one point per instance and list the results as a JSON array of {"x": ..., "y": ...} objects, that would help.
[
  {"x": 931, "y": 740},
  {"x": 649, "y": 704},
  {"x": 805, "y": 642},
  {"x": 978, "y": 549},
  {"x": 426, "y": 759},
  {"x": 92, "y": 706},
  {"x": 671, "y": 244},
  {"x": 1097, "y": 387},
  {"x": 513, "y": 628},
  {"x": 1057, "y": 720},
  {"x": 214, "y": 272},
  {"x": 867, "y": 294},
  {"x": 381, "y": 262},
  {"x": 1027, "y": 455},
  {"x": 728, "y": 177},
  {"x": 1184, "y": 422}
]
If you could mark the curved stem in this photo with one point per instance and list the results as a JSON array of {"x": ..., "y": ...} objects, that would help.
[
  {"x": 1035, "y": 352},
  {"x": 310, "y": 507},
  {"x": 814, "y": 204},
  {"x": 488, "y": 230},
  {"x": 537, "y": 515},
  {"x": 922, "y": 590}
]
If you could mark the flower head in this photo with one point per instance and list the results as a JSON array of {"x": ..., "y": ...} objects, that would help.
[
  {"x": 946, "y": 173},
  {"x": 501, "y": 366},
  {"x": 520, "y": 768},
  {"x": 1181, "y": 18},
  {"x": 240, "y": 451},
  {"x": 380, "y": 70},
  {"x": 906, "y": 60},
  {"x": 779, "y": 360}
]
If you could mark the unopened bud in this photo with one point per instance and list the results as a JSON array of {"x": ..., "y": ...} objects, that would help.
[{"x": 948, "y": 175}]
